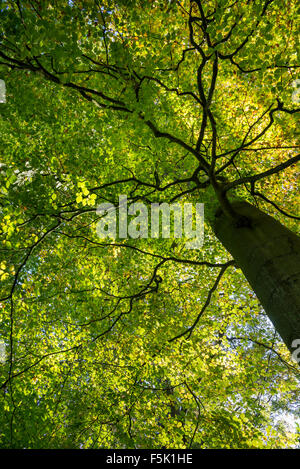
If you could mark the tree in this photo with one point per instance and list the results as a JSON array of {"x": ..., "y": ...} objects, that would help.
[{"x": 142, "y": 342}]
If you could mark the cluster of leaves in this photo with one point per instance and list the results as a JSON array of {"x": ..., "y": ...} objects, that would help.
[{"x": 129, "y": 343}]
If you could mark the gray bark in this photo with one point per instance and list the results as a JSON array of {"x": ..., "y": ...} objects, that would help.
[{"x": 269, "y": 256}]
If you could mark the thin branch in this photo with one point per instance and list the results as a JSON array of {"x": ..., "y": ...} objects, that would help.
[
  {"x": 268, "y": 347},
  {"x": 257, "y": 177},
  {"x": 259, "y": 194},
  {"x": 207, "y": 302}
]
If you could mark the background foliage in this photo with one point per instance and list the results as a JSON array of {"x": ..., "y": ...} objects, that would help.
[{"x": 105, "y": 99}]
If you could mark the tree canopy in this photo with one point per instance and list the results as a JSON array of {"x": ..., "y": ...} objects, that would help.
[{"x": 142, "y": 343}]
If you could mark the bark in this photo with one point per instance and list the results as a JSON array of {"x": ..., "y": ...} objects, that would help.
[{"x": 269, "y": 256}]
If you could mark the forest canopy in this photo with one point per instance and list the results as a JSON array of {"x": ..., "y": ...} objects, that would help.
[{"x": 140, "y": 342}]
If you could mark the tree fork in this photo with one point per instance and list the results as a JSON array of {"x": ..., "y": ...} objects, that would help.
[{"x": 269, "y": 256}]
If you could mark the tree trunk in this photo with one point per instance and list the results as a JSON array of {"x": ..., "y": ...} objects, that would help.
[{"x": 269, "y": 256}]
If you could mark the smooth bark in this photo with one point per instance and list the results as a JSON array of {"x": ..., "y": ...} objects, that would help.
[{"x": 269, "y": 256}]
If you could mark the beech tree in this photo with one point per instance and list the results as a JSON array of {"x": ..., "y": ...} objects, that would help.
[{"x": 141, "y": 342}]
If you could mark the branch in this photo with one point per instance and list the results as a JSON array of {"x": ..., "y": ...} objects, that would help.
[
  {"x": 207, "y": 302},
  {"x": 32, "y": 247},
  {"x": 268, "y": 347},
  {"x": 259, "y": 176},
  {"x": 158, "y": 134},
  {"x": 244, "y": 42},
  {"x": 259, "y": 194}
]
